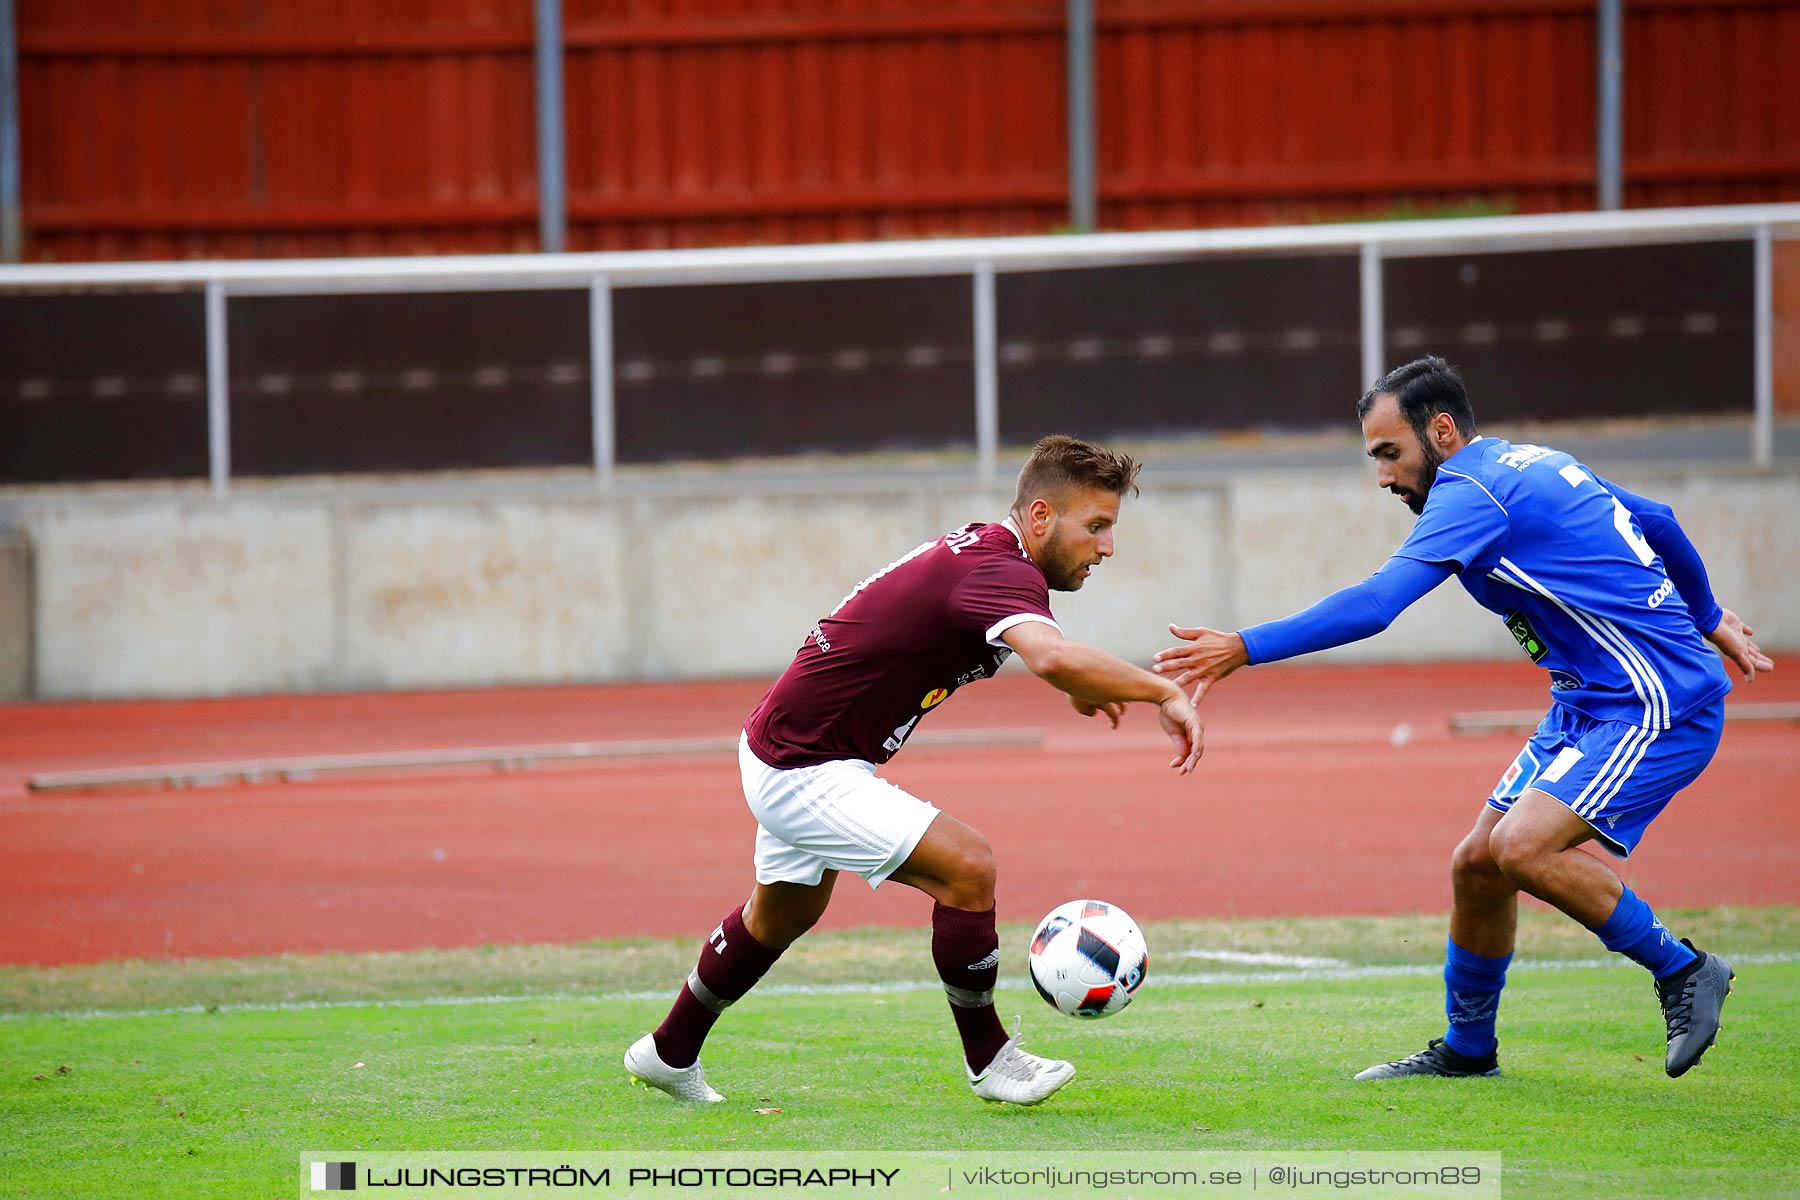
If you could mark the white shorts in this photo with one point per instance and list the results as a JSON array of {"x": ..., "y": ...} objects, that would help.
[{"x": 835, "y": 815}]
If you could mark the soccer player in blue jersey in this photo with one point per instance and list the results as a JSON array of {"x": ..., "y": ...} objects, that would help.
[{"x": 1602, "y": 589}]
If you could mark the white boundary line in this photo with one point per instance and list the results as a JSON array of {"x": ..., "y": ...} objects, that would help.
[
  {"x": 892, "y": 987},
  {"x": 1266, "y": 960}
]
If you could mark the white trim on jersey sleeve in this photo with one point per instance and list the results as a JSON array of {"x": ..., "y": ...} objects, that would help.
[{"x": 1000, "y": 627}]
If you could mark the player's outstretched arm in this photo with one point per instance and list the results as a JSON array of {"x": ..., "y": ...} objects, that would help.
[
  {"x": 1349, "y": 615},
  {"x": 1100, "y": 682},
  {"x": 1732, "y": 637}
]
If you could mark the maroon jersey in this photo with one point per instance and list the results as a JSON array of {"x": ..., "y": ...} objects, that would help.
[{"x": 897, "y": 646}]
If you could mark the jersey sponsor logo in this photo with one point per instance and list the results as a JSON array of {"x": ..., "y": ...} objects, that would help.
[
  {"x": 1562, "y": 681},
  {"x": 1523, "y": 455},
  {"x": 971, "y": 675},
  {"x": 1560, "y": 765},
  {"x": 933, "y": 698},
  {"x": 1519, "y": 625},
  {"x": 819, "y": 639},
  {"x": 1662, "y": 593},
  {"x": 892, "y": 745},
  {"x": 1518, "y": 776}
]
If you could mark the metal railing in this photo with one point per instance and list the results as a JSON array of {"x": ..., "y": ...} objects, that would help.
[{"x": 978, "y": 258}]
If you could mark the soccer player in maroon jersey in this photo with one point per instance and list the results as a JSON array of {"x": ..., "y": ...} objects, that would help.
[{"x": 948, "y": 613}]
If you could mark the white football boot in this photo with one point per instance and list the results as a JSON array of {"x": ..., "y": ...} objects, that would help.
[
  {"x": 1015, "y": 1077},
  {"x": 685, "y": 1083}
]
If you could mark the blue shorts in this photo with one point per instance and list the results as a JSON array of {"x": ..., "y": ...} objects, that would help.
[{"x": 1615, "y": 776}]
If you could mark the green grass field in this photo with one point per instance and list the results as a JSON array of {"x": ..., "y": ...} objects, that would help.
[{"x": 211, "y": 1077}]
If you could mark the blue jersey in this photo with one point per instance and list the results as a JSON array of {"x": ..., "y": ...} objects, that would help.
[{"x": 1539, "y": 539}]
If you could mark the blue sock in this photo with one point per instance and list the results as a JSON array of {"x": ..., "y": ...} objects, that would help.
[
  {"x": 1634, "y": 931},
  {"x": 1472, "y": 984}
]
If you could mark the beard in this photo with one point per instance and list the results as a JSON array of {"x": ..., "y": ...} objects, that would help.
[
  {"x": 1062, "y": 570},
  {"x": 1427, "y": 476}
]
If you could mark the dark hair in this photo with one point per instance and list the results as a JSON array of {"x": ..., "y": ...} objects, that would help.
[
  {"x": 1424, "y": 387},
  {"x": 1060, "y": 463}
]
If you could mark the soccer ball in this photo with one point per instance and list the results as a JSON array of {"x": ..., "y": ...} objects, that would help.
[{"x": 1088, "y": 958}]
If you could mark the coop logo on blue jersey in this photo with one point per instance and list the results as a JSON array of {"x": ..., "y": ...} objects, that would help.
[{"x": 334, "y": 1177}]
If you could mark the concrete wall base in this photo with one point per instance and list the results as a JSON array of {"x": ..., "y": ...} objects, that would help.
[{"x": 183, "y": 596}]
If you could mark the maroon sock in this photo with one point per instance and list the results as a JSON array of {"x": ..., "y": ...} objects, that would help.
[
  {"x": 730, "y": 964},
  {"x": 966, "y": 949}
]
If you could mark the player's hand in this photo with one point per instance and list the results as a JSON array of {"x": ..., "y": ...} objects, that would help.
[
  {"x": 1732, "y": 637},
  {"x": 1182, "y": 724},
  {"x": 1087, "y": 708},
  {"x": 1212, "y": 656}
]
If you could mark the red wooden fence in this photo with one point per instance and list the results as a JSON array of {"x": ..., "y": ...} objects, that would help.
[{"x": 178, "y": 128}]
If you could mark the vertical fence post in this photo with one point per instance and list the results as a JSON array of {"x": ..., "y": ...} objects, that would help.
[
  {"x": 1609, "y": 136},
  {"x": 600, "y": 373},
  {"x": 1373, "y": 350},
  {"x": 12, "y": 222},
  {"x": 218, "y": 390},
  {"x": 553, "y": 212},
  {"x": 1762, "y": 431},
  {"x": 987, "y": 373},
  {"x": 1083, "y": 169}
]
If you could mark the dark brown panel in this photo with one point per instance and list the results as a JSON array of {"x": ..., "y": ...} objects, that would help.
[
  {"x": 1178, "y": 348},
  {"x": 409, "y": 382},
  {"x": 790, "y": 368},
  {"x": 1583, "y": 333},
  {"x": 102, "y": 386}
]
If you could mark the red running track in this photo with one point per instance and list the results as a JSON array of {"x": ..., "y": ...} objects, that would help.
[{"x": 1303, "y": 805}]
